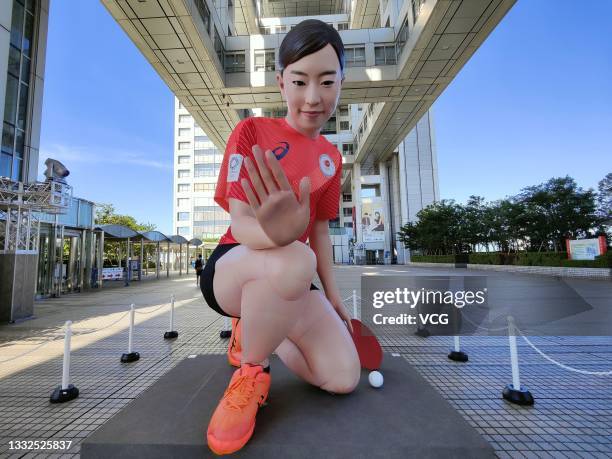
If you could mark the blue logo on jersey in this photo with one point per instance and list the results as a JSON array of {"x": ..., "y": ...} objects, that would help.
[{"x": 281, "y": 151}]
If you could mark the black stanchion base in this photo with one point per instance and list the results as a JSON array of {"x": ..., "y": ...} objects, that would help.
[
  {"x": 458, "y": 356},
  {"x": 520, "y": 397},
  {"x": 171, "y": 335},
  {"x": 60, "y": 395},
  {"x": 422, "y": 332},
  {"x": 131, "y": 357},
  {"x": 225, "y": 333}
]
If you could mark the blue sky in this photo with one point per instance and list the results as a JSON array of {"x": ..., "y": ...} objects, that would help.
[{"x": 533, "y": 102}]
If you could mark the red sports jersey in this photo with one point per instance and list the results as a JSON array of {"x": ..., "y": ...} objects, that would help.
[{"x": 298, "y": 155}]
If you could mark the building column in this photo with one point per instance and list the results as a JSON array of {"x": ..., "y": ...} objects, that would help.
[
  {"x": 141, "y": 259},
  {"x": 157, "y": 262},
  {"x": 168, "y": 261},
  {"x": 403, "y": 254},
  {"x": 384, "y": 194}
]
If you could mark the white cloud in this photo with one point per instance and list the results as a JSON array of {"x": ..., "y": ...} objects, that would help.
[{"x": 69, "y": 154}]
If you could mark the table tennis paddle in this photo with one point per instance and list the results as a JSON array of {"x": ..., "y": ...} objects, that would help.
[{"x": 368, "y": 347}]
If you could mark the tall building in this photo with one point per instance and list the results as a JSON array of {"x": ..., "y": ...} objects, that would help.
[{"x": 219, "y": 58}]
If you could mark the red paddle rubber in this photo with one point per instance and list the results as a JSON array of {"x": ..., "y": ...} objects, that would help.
[{"x": 368, "y": 347}]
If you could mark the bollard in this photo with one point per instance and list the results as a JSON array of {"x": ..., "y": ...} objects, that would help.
[
  {"x": 172, "y": 333},
  {"x": 66, "y": 391},
  {"x": 130, "y": 356},
  {"x": 514, "y": 392},
  {"x": 457, "y": 354},
  {"x": 355, "y": 304},
  {"x": 227, "y": 328}
]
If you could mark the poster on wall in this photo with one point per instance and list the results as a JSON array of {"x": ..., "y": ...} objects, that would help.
[{"x": 372, "y": 221}]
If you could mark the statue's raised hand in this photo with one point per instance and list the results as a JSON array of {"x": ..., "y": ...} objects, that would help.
[{"x": 281, "y": 215}]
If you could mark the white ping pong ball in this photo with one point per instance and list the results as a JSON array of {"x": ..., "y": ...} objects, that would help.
[{"x": 376, "y": 379}]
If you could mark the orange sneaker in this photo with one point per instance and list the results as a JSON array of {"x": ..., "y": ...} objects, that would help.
[
  {"x": 232, "y": 424},
  {"x": 234, "y": 350}
]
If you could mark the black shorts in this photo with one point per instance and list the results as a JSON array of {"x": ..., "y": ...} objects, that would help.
[{"x": 208, "y": 274}]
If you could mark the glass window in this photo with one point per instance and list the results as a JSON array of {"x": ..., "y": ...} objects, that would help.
[
  {"x": 17, "y": 165},
  {"x": 219, "y": 49},
  {"x": 184, "y": 118},
  {"x": 347, "y": 197},
  {"x": 347, "y": 211},
  {"x": 205, "y": 170},
  {"x": 355, "y": 57},
  {"x": 28, "y": 35},
  {"x": 184, "y": 145},
  {"x": 19, "y": 143},
  {"x": 264, "y": 60},
  {"x": 10, "y": 102},
  {"x": 14, "y": 56},
  {"x": 348, "y": 224},
  {"x": 17, "y": 25},
  {"x": 182, "y": 202},
  {"x": 204, "y": 187},
  {"x": 343, "y": 26},
  {"x": 183, "y": 187},
  {"x": 330, "y": 126},
  {"x": 344, "y": 111},
  {"x": 8, "y": 138},
  {"x": 182, "y": 216},
  {"x": 204, "y": 14},
  {"x": 347, "y": 148},
  {"x": 23, "y": 106},
  {"x": 5, "y": 165},
  {"x": 370, "y": 191},
  {"x": 234, "y": 62},
  {"x": 182, "y": 132},
  {"x": 183, "y": 173},
  {"x": 344, "y": 126},
  {"x": 182, "y": 230},
  {"x": 183, "y": 159},
  {"x": 384, "y": 55}
]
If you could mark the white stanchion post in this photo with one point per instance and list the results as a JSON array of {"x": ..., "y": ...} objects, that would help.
[
  {"x": 131, "y": 356},
  {"x": 172, "y": 333},
  {"x": 355, "y": 304},
  {"x": 516, "y": 379},
  {"x": 226, "y": 332},
  {"x": 65, "y": 391},
  {"x": 456, "y": 353},
  {"x": 514, "y": 392},
  {"x": 172, "y": 313},
  {"x": 66, "y": 365},
  {"x": 132, "y": 313}
]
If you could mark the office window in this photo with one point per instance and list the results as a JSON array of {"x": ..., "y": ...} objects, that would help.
[
  {"x": 384, "y": 55},
  {"x": 347, "y": 197},
  {"x": 344, "y": 110},
  {"x": 183, "y": 187},
  {"x": 204, "y": 187},
  {"x": 184, "y": 145},
  {"x": 343, "y": 26},
  {"x": 347, "y": 149},
  {"x": 370, "y": 191},
  {"x": 345, "y": 126},
  {"x": 205, "y": 170},
  {"x": 183, "y": 173},
  {"x": 330, "y": 126},
  {"x": 182, "y": 230},
  {"x": 234, "y": 62},
  {"x": 202, "y": 141},
  {"x": 347, "y": 211},
  {"x": 183, "y": 159},
  {"x": 355, "y": 57},
  {"x": 402, "y": 37},
  {"x": 219, "y": 49},
  {"x": 204, "y": 14},
  {"x": 182, "y": 216},
  {"x": 183, "y": 132},
  {"x": 184, "y": 118},
  {"x": 348, "y": 224},
  {"x": 264, "y": 60},
  {"x": 182, "y": 202}
]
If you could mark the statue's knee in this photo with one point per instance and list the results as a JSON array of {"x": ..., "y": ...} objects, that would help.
[
  {"x": 344, "y": 380},
  {"x": 290, "y": 269}
]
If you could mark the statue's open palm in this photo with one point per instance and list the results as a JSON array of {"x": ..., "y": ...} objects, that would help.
[{"x": 280, "y": 214}]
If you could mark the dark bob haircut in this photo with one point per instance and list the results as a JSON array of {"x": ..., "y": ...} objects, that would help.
[{"x": 306, "y": 38}]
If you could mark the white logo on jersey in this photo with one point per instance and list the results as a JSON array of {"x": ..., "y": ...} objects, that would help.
[
  {"x": 233, "y": 171},
  {"x": 327, "y": 165}
]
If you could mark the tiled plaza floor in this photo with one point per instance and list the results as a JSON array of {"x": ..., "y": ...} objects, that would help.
[{"x": 572, "y": 416}]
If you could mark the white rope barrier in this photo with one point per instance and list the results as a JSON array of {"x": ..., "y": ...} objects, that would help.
[{"x": 566, "y": 367}]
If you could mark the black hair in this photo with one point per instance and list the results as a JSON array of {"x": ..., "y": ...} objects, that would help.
[{"x": 306, "y": 38}]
